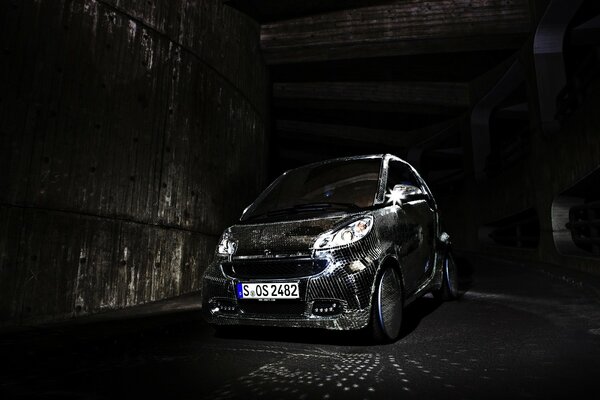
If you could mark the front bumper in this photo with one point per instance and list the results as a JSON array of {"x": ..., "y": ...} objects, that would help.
[{"x": 347, "y": 278}]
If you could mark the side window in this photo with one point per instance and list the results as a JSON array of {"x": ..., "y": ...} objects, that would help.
[{"x": 400, "y": 174}]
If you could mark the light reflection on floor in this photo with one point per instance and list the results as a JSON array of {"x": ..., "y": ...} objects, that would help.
[{"x": 335, "y": 375}]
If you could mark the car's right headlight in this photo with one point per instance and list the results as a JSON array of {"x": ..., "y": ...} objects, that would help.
[{"x": 350, "y": 233}]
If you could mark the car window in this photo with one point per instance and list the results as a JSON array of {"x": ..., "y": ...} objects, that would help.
[{"x": 400, "y": 174}]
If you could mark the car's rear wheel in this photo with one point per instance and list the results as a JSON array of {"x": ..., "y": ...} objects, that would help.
[
  {"x": 449, "y": 288},
  {"x": 386, "y": 312}
]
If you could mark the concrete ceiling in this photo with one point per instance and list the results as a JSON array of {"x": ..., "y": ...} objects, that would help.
[{"x": 361, "y": 76}]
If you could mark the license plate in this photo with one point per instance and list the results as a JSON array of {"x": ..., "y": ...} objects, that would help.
[{"x": 268, "y": 290}]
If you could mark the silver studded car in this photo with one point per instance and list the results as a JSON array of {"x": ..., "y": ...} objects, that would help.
[{"x": 342, "y": 244}]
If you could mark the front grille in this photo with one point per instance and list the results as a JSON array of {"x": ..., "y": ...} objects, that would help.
[
  {"x": 277, "y": 307},
  {"x": 273, "y": 269}
]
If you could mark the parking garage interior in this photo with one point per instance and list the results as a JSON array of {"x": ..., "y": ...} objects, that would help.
[{"x": 133, "y": 133}]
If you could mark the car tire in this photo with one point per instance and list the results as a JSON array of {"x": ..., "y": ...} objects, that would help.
[
  {"x": 386, "y": 310},
  {"x": 449, "y": 289}
]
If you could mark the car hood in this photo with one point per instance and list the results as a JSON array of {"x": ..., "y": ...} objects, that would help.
[{"x": 295, "y": 237}]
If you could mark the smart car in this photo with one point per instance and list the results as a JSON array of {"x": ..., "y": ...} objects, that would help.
[{"x": 341, "y": 244}]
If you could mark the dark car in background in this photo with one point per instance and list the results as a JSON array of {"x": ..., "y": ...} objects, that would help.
[{"x": 342, "y": 244}]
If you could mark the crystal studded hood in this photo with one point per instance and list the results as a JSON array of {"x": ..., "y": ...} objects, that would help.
[{"x": 285, "y": 237}]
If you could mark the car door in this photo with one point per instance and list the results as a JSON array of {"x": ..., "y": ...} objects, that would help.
[{"x": 415, "y": 228}]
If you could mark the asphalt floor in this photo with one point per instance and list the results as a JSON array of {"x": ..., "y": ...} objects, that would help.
[{"x": 517, "y": 331}]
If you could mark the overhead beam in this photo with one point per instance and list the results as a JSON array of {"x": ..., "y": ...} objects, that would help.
[
  {"x": 273, "y": 10},
  {"x": 365, "y": 106},
  {"x": 401, "y": 28},
  {"x": 410, "y": 97},
  {"x": 354, "y": 135},
  {"x": 447, "y": 94},
  {"x": 448, "y": 67}
]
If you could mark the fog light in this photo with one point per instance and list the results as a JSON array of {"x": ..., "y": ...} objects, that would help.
[
  {"x": 222, "y": 306},
  {"x": 327, "y": 307}
]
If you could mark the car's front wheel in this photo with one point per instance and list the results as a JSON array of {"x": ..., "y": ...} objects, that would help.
[
  {"x": 386, "y": 312},
  {"x": 449, "y": 288}
]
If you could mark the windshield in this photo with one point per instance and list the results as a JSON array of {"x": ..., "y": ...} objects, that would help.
[{"x": 340, "y": 184}]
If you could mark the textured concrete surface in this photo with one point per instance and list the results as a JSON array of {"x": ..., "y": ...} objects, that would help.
[
  {"x": 131, "y": 134},
  {"x": 517, "y": 332},
  {"x": 397, "y": 28}
]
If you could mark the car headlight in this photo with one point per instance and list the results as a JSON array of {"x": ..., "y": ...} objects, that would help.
[
  {"x": 350, "y": 233},
  {"x": 227, "y": 246}
]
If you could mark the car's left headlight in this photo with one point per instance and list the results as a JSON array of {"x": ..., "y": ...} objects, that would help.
[
  {"x": 227, "y": 245},
  {"x": 350, "y": 233}
]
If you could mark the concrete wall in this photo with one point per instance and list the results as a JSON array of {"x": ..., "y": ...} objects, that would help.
[{"x": 131, "y": 134}]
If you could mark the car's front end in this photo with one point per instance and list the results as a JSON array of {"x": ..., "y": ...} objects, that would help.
[
  {"x": 334, "y": 279},
  {"x": 305, "y": 253}
]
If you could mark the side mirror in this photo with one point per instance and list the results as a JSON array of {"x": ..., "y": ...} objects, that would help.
[{"x": 407, "y": 193}]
